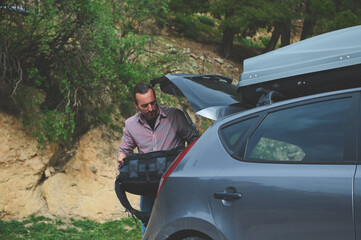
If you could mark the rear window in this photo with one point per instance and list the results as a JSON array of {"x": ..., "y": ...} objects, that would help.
[
  {"x": 309, "y": 133},
  {"x": 233, "y": 135}
]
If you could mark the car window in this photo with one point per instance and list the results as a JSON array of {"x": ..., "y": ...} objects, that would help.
[
  {"x": 232, "y": 136},
  {"x": 309, "y": 133}
]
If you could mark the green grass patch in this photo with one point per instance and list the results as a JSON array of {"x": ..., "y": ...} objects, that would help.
[{"x": 38, "y": 227}]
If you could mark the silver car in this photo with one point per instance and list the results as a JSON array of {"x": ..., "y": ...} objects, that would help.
[{"x": 281, "y": 159}]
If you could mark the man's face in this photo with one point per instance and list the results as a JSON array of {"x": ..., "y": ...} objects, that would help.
[{"x": 147, "y": 105}]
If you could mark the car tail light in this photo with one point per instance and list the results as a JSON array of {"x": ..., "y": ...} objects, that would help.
[{"x": 174, "y": 165}]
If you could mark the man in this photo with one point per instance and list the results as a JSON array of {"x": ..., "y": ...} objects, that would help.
[{"x": 153, "y": 128}]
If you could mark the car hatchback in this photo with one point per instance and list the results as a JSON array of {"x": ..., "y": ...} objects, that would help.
[{"x": 281, "y": 159}]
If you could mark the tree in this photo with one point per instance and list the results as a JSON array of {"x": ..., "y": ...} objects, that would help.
[
  {"x": 318, "y": 16},
  {"x": 131, "y": 13},
  {"x": 327, "y": 15},
  {"x": 189, "y": 6},
  {"x": 280, "y": 15},
  {"x": 237, "y": 17},
  {"x": 67, "y": 66}
]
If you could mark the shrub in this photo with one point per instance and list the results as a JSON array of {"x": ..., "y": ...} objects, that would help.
[
  {"x": 192, "y": 28},
  {"x": 250, "y": 43},
  {"x": 206, "y": 20},
  {"x": 67, "y": 66}
]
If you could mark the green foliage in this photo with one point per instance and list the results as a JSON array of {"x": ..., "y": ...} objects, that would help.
[
  {"x": 244, "y": 17},
  {"x": 331, "y": 15},
  {"x": 11, "y": 229},
  {"x": 256, "y": 44},
  {"x": 45, "y": 228},
  {"x": 68, "y": 66},
  {"x": 206, "y": 20},
  {"x": 340, "y": 20},
  {"x": 191, "y": 27},
  {"x": 132, "y": 12},
  {"x": 189, "y": 6}
]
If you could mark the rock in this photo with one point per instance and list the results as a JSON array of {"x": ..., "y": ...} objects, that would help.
[
  {"x": 93, "y": 169},
  {"x": 173, "y": 50},
  {"x": 192, "y": 55},
  {"x": 22, "y": 166},
  {"x": 186, "y": 50},
  {"x": 85, "y": 189},
  {"x": 47, "y": 173},
  {"x": 219, "y": 60}
]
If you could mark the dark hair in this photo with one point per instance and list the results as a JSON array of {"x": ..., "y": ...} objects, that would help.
[{"x": 141, "y": 88}]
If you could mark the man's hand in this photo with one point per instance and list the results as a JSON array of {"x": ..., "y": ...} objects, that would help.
[{"x": 120, "y": 158}]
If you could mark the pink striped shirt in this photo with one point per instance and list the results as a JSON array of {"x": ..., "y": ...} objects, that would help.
[{"x": 171, "y": 130}]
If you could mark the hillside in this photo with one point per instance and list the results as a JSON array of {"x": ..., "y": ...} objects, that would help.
[{"x": 83, "y": 188}]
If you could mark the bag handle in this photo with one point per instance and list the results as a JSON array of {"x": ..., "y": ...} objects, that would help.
[{"x": 143, "y": 216}]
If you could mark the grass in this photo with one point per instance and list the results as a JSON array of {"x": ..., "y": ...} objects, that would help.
[{"x": 42, "y": 228}]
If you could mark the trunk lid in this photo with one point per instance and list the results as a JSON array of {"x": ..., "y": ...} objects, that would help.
[{"x": 211, "y": 96}]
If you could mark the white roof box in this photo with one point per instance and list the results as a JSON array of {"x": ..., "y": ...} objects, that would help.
[{"x": 304, "y": 63}]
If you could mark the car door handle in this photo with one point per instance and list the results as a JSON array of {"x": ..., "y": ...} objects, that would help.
[{"x": 228, "y": 196}]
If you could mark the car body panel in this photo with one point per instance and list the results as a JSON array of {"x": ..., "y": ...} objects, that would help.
[
  {"x": 289, "y": 201},
  {"x": 168, "y": 215},
  {"x": 284, "y": 201}
]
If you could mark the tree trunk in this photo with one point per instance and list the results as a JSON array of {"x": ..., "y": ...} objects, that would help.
[
  {"x": 308, "y": 22},
  {"x": 274, "y": 39},
  {"x": 227, "y": 42},
  {"x": 285, "y": 36},
  {"x": 307, "y": 29}
]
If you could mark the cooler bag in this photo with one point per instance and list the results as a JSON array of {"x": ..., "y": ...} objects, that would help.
[{"x": 140, "y": 174}]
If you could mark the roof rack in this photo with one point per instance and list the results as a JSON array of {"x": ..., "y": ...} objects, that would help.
[{"x": 268, "y": 96}]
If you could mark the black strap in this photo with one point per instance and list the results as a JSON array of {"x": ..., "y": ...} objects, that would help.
[{"x": 143, "y": 216}]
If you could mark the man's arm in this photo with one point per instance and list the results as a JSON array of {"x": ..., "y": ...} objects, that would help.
[
  {"x": 126, "y": 146},
  {"x": 187, "y": 132}
]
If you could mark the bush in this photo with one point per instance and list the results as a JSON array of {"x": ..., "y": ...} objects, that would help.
[
  {"x": 192, "y": 28},
  {"x": 67, "y": 66},
  {"x": 206, "y": 20},
  {"x": 261, "y": 43}
]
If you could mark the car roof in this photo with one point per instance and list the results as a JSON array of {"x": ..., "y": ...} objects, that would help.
[
  {"x": 259, "y": 109},
  {"x": 333, "y": 50}
]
